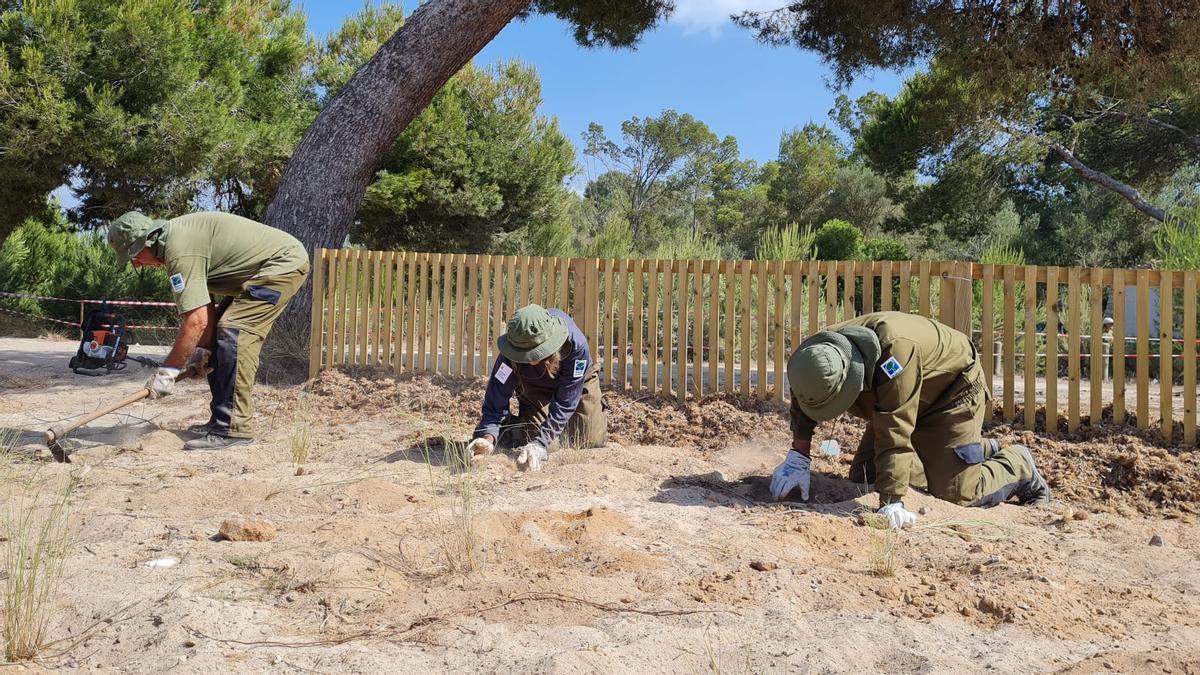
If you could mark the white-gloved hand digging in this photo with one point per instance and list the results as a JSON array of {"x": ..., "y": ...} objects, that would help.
[
  {"x": 162, "y": 381},
  {"x": 793, "y": 473},
  {"x": 480, "y": 446},
  {"x": 531, "y": 456},
  {"x": 199, "y": 360},
  {"x": 899, "y": 518}
]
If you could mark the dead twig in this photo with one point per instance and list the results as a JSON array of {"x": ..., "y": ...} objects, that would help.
[{"x": 393, "y": 632}]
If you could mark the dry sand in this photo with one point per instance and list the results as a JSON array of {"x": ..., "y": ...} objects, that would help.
[{"x": 655, "y": 554}]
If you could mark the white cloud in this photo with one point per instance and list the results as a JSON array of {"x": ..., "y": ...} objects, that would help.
[{"x": 711, "y": 15}]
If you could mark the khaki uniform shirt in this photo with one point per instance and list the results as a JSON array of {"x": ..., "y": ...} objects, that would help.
[
  {"x": 215, "y": 253},
  {"x": 931, "y": 357}
]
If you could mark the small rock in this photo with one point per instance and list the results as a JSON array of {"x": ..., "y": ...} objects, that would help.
[
  {"x": 162, "y": 562},
  {"x": 189, "y": 643},
  {"x": 763, "y": 566},
  {"x": 1081, "y": 515},
  {"x": 1023, "y": 606},
  {"x": 990, "y": 605},
  {"x": 1157, "y": 540},
  {"x": 993, "y": 559},
  {"x": 247, "y": 529},
  {"x": 889, "y": 593},
  {"x": 923, "y": 510},
  {"x": 299, "y": 471}
]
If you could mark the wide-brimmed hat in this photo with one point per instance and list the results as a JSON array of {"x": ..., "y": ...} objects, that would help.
[
  {"x": 128, "y": 234},
  {"x": 532, "y": 334},
  {"x": 830, "y": 370}
]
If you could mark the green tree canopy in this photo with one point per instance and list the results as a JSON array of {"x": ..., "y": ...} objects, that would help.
[
  {"x": 477, "y": 163},
  {"x": 662, "y": 156},
  {"x": 149, "y": 103},
  {"x": 1133, "y": 48}
]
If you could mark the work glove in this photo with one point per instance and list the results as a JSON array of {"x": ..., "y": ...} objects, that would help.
[
  {"x": 199, "y": 361},
  {"x": 480, "y": 446},
  {"x": 793, "y": 473},
  {"x": 899, "y": 518},
  {"x": 531, "y": 456},
  {"x": 162, "y": 381}
]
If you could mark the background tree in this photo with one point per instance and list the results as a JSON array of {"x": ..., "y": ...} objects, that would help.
[
  {"x": 808, "y": 162},
  {"x": 664, "y": 158},
  {"x": 476, "y": 164},
  {"x": 148, "y": 104},
  {"x": 1134, "y": 48}
]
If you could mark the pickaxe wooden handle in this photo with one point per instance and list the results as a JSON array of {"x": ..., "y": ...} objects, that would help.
[{"x": 56, "y": 433}]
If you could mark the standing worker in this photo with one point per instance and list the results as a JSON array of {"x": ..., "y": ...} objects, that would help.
[
  {"x": 544, "y": 359},
  {"x": 919, "y": 385},
  {"x": 257, "y": 268}
]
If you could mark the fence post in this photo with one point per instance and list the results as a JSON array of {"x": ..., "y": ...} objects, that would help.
[
  {"x": 963, "y": 296},
  {"x": 318, "y": 315}
]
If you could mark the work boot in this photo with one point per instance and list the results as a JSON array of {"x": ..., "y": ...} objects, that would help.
[
  {"x": 213, "y": 441},
  {"x": 199, "y": 429},
  {"x": 1033, "y": 491}
]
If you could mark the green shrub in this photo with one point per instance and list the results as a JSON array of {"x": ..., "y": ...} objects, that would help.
[
  {"x": 886, "y": 249},
  {"x": 52, "y": 260},
  {"x": 838, "y": 240}
]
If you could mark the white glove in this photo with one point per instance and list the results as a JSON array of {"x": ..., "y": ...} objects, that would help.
[
  {"x": 531, "y": 456},
  {"x": 162, "y": 381},
  {"x": 199, "y": 361},
  {"x": 793, "y": 473},
  {"x": 480, "y": 446},
  {"x": 899, "y": 518}
]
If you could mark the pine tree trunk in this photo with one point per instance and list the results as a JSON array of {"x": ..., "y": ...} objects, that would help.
[{"x": 325, "y": 180}]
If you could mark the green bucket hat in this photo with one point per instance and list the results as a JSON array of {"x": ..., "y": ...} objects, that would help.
[
  {"x": 830, "y": 370},
  {"x": 532, "y": 334},
  {"x": 128, "y": 234}
]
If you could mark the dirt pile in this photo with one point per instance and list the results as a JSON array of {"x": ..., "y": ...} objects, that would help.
[
  {"x": 1114, "y": 468},
  {"x": 634, "y": 418},
  {"x": 1104, "y": 469}
]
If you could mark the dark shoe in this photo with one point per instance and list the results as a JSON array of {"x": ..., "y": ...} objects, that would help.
[
  {"x": 199, "y": 429},
  {"x": 1034, "y": 491},
  {"x": 216, "y": 442}
]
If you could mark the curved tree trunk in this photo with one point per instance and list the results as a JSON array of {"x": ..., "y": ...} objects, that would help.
[{"x": 325, "y": 180}]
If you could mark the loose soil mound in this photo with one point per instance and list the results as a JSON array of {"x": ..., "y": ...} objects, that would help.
[{"x": 1103, "y": 469}]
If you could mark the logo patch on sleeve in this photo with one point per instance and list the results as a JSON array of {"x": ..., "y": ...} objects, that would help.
[
  {"x": 177, "y": 283},
  {"x": 891, "y": 367},
  {"x": 503, "y": 372},
  {"x": 580, "y": 367}
]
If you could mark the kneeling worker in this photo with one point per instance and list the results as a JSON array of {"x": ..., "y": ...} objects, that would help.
[
  {"x": 544, "y": 359},
  {"x": 919, "y": 385},
  {"x": 257, "y": 268}
]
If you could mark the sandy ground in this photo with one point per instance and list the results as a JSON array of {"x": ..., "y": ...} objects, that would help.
[{"x": 630, "y": 558}]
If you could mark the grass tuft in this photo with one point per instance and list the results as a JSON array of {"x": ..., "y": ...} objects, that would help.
[
  {"x": 456, "y": 540},
  {"x": 884, "y": 554},
  {"x": 36, "y": 542}
]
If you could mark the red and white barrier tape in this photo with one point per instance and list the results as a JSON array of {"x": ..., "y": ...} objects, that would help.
[
  {"x": 7, "y": 294},
  {"x": 75, "y": 325}
]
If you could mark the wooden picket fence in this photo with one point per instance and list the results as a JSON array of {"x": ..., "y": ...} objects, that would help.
[{"x": 701, "y": 327}]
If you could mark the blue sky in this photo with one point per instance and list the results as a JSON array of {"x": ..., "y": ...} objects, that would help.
[{"x": 697, "y": 63}]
